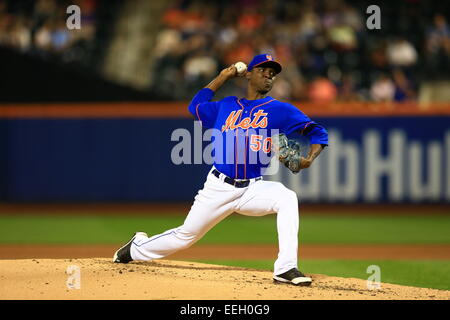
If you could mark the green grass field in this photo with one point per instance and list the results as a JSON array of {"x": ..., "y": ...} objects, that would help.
[
  {"x": 236, "y": 229},
  {"x": 322, "y": 229}
]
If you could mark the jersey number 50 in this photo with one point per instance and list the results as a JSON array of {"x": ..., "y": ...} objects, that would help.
[{"x": 256, "y": 144}]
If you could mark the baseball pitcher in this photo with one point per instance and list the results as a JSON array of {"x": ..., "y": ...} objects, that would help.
[{"x": 248, "y": 131}]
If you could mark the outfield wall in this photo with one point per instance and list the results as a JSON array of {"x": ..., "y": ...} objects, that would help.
[{"x": 122, "y": 153}]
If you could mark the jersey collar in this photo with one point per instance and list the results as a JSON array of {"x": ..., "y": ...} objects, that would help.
[{"x": 252, "y": 103}]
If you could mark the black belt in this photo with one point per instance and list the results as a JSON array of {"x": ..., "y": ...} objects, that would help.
[{"x": 233, "y": 182}]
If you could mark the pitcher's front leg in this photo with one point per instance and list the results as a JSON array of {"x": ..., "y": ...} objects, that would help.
[{"x": 209, "y": 208}]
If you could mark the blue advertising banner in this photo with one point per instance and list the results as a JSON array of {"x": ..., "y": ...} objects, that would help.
[
  {"x": 96, "y": 160},
  {"x": 369, "y": 159}
]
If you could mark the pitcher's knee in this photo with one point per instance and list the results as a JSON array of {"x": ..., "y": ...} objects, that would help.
[
  {"x": 288, "y": 198},
  {"x": 292, "y": 195},
  {"x": 186, "y": 238}
]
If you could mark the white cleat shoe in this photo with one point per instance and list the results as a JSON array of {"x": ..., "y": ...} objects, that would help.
[
  {"x": 293, "y": 276},
  {"x": 123, "y": 255}
]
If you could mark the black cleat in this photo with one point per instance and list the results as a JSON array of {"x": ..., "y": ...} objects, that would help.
[
  {"x": 122, "y": 255},
  {"x": 293, "y": 276}
]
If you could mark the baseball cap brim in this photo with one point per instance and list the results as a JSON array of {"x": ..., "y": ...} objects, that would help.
[{"x": 270, "y": 63}]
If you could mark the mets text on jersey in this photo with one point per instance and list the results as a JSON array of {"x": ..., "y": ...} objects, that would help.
[{"x": 259, "y": 121}]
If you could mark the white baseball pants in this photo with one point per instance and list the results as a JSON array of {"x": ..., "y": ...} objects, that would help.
[{"x": 215, "y": 202}]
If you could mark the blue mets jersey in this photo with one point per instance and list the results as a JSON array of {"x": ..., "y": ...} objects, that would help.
[{"x": 242, "y": 130}]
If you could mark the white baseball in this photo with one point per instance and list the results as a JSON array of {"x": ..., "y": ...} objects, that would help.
[{"x": 240, "y": 67}]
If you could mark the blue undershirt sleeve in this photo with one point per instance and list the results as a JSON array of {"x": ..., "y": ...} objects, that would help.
[
  {"x": 203, "y": 109},
  {"x": 317, "y": 134}
]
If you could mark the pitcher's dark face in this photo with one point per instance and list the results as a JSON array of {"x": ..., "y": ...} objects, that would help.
[{"x": 261, "y": 78}]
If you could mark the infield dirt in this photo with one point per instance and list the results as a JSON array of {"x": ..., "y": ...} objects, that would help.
[{"x": 100, "y": 279}]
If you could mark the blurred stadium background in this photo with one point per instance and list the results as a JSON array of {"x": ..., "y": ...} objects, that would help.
[{"x": 87, "y": 116}]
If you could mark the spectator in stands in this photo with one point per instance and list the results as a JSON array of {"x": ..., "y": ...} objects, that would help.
[
  {"x": 60, "y": 37},
  {"x": 403, "y": 87},
  {"x": 282, "y": 89},
  {"x": 167, "y": 41},
  {"x": 347, "y": 89},
  {"x": 322, "y": 90},
  {"x": 437, "y": 48},
  {"x": 239, "y": 51},
  {"x": 199, "y": 65},
  {"x": 249, "y": 21},
  {"x": 438, "y": 37},
  {"x": 383, "y": 89},
  {"x": 307, "y": 26},
  {"x": 44, "y": 10},
  {"x": 43, "y": 37},
  {"x": 20, "y": 34},
  {"x": 401, "y": 53}
]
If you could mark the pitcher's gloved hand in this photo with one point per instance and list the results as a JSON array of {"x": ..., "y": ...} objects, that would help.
[
  {"x": 289, "y": 153},
  {"x": 280, "y": 146}
]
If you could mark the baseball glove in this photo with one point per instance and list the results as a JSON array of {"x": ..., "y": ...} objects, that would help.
[{"x": 289, "y": 152}]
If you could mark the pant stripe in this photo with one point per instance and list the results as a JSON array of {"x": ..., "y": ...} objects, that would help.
[{"x": 138, "y": 245}]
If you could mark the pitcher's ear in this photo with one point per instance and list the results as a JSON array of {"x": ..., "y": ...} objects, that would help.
[{"x": 248, "y": 75}]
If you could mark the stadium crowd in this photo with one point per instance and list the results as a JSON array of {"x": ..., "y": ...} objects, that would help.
[
  {"x": 327, "y": 51},
  {"x": 39, "y": 28}
]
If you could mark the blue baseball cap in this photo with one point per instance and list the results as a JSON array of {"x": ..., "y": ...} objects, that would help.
[{"x": 266, "y": 60}]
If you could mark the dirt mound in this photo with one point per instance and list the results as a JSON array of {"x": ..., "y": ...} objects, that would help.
[
  {"x": 245, "y": 252},
  {"x": 99, "y": 278}
]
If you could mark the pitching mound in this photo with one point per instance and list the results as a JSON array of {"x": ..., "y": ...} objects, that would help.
[{"x": 176, "y": 280}]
